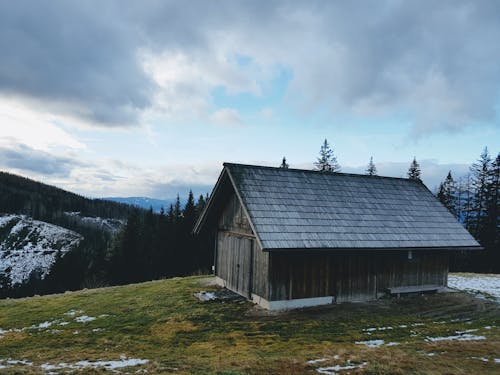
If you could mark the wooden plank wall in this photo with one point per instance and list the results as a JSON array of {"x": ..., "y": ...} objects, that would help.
[
  {"x": 260, "y": 282},
  {"x": 240, "y": 261},
  {"x": 352, "y": 277}
]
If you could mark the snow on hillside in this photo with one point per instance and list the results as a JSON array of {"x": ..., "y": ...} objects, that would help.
[
  {"x": 28, "y": 246},
  {"x": 105, "y": 224}
]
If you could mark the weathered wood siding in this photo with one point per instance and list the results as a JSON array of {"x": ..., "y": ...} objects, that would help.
[
  {"x": 352, "y": 277},
  {"x": 239, "y": 260}
]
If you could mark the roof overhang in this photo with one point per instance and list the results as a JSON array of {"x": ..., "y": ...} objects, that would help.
[{"x": 374, "y": 249}]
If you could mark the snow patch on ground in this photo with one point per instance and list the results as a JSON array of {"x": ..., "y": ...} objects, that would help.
[
  {"x": 110, "y": 365},
  {"x": 319, "y": 360},
  {"x": 371, "y": 343},
  {"x": 476, "y": 283},
  {"x": 483, "y": 359},
  {"x": 372, "y": 329},
  {"x": 32, "y": 246},
  {"x": 459, "y": 337},
  {"x": 334, "y": 370},
  {"x": 7, "y": 363},
  {"x": 59, "y": 322},
  {"x": 73, "y": 312},
  {"x": 206, "y": 296},
  {"x": 84, "y": 319}
]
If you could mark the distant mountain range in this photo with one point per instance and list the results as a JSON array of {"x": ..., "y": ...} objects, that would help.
[{"x": 145, "y": 202}]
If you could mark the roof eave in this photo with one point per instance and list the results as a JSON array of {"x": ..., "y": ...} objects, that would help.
[{"x": 440, "y": 248}]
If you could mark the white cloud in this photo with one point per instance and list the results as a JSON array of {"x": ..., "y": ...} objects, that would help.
[
  {"x": 36, "y": 129},
  {"x": 186, "y": 81},
  {"x": 227, "y": 117}
]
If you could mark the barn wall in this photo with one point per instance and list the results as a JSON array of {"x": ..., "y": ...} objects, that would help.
[
  {"x": 239, "y": 260},
  {"x": 352, "y": 277}
]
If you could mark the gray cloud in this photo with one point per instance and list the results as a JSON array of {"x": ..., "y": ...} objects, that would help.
[
  {"x": 434, "y": 63},
  {"x": 75, "y": 57},
  {"x": 25, "y": 158}
]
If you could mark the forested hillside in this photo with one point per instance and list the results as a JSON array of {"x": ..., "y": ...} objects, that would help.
[{"x": 118, "y": 243}]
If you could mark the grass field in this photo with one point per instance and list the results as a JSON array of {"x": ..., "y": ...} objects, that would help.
[{"x": 160, "y": 328}]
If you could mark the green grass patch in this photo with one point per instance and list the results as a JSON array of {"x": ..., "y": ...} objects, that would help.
[{"x": 163, "y": 322}]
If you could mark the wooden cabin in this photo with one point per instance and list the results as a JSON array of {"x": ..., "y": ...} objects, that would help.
[{"x": 287, "y": 238}]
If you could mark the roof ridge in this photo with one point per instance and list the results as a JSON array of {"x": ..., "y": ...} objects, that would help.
[{"x": 228, "y": 164}]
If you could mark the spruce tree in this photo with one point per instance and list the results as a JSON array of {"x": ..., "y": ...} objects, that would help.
[
  {"x": 480, "y": 172},
  {"x": 200, "y": 205},
  {"x": 326, "y": 162},
  {"x": 284, "y": 164},
  {"x": 171, "y": 214},
  {"x": 448, "y": 195},
  {"x": 189, "y": 213},
  {"x": 414, "y": 171},
  {"x": 177, "y": 210},
  {"x": 466, "y": 193},
  {"x": 492, "y": 235},
  {"x": 371, "y": 170}
]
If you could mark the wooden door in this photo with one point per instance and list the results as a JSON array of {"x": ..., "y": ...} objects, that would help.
[{"x": 235, "y": 260}]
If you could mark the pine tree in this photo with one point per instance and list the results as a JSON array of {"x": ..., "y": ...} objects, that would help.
[
  {"x": 448, "y": 195},
  {"x": 371, "y": 170},
  {"x": 171, "y": 214},
  {"x": 326, "y": 162},
  {"x": 177, "y": 210},
  {"x": 466, "y": 193},
  {"x": 492, "y": 232},
  {"x": 480, "y": 172},
  {"x": 200, "y": 205},
  {"x": 284, "y": 164},
  {"x": 189, "y": 213},
  {"x": 414, "y": 172}
]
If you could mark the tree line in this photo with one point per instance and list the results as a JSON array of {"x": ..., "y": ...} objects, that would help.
[
  {"x": 327, "y": 162},
  {"x": 154, "y": 246},
  {"x": 474, "y": 200}
]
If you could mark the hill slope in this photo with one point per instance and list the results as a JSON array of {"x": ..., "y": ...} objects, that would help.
[
  {"x": 160, "y": 327},
  {"x": 44, "y": 202},
  {"x": 28, "y": 246},
  {"x": 44, "y": 227}
]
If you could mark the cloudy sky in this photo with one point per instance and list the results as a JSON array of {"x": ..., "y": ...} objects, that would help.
[{"x": 128, "y": 98}]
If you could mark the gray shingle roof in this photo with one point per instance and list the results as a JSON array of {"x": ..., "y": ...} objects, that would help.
[{"x": 292, "y": 208}]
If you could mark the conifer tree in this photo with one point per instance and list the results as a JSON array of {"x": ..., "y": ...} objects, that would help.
[
  {"x": 189, "y": 213},
  {"x": 414, "y": 171},
  {"x": 200, "y": 205},
  {"x": 177, "y": 210},
  {"x": 493, "y": 215},
  {"x": 327, "y": 162},
  {"x": 371, "y": 170},
  {"x": 171, "y": 214},
  {"x": 480, "y": 173},
  {"x": 284, "y": 164},
  {"x": 465, "y": 193},
  {"x": 447, "y": 194}
]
